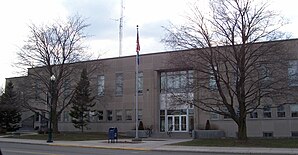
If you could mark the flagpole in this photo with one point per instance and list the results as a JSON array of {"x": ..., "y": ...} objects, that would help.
[{"x": 137, "y": 79}]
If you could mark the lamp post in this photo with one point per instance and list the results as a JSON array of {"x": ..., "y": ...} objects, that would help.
[{"x": 50, "y": 136}]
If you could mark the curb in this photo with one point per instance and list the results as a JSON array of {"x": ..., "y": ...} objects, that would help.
[
  {"x": 231, "y": 150},
  {"x": 102, "y": 147},
  {"x": 166, "y": 148}
]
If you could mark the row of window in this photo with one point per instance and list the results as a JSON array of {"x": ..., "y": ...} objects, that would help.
[
  {"x": 292, "y": 74},
  {"x": 267, "y": 112},
  {"x": 108, "y": 115},
  {"x": 119, "y": 84},
  {"x": 270, "y": 134}
]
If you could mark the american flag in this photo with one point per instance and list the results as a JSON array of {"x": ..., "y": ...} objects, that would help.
[{"x": 138, "y": 45}]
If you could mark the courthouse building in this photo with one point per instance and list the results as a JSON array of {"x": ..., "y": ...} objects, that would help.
[{"x": 114, "y": 86}]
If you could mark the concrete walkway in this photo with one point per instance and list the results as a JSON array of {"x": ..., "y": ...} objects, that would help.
[{"x": 155, "y": 145}]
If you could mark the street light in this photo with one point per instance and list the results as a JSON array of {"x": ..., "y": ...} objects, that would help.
[{"x": 50, "y": 136}]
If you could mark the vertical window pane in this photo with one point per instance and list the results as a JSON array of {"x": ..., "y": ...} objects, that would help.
[
  {"x": 119, "y": 115},
  {"x": 37, "y": 116},
  {"x": 119, "y": 84},
  {"x": 37, "y": 88},
  {"x": 183, "y": 80},
  {"x": 100, "y": 115},
  {"x": 140, "y": 82},
  {"x": 66, "y": 116},
  {"x": 163, "y": 82},
  {"x": 253, "y": 114},
  {"x": 128, "y": 115},
  {"x": 162, "y": 123},
  {"x": 66, "y": 87},
  {"x": 109, "y": 115},
  {"x": 212, "y": 80},
  {"x": 170, "y": 80},
  {"x": 267, "y": 111},
  {"x": 100, "y": 85},
  {"x": 293, "y": 73},
  {"x": 294, "y": 110},
  {"x": 91, "y": 116},
  {"x": 281, "y": 111},
  {"x": 140, "y": 114}
]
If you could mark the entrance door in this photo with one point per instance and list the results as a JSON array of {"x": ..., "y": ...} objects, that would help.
[{"x": 177, "y": 123}]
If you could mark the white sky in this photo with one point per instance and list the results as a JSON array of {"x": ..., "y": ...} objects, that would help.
[{"x": 150, "y": 15}]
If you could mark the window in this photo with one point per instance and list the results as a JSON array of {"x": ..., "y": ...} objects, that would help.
[
  {"x": 265, "y": 73},
  {"x": 267, "y": 134},
  {"x": 140, "y": 83},
  {"x": 293, "y": 73},
  {"x": 100, "y": 85},
  {"x": 163, "y": 81},
  {"x": 65, "y": 116},
  {"x": 227, "y": 113},
  {"x": 214, "y": 116},
  {"x": 235, "y": 77},
  {"x": 179, "y": 81},
  {"x": 38, "y": 90},
  {"x": 140, "y": 114},
  {"x": 128, "y": 115},
  {"x": 60, "y": 118},
  {"x": 43, "y": 117},
  {"x": 119, "y": 115},
  {"x": 212, "y": 80},
  {"x": 66, "y": 88},
  {"x": 100, "y": 115},
  {"x": 294, "y": 133},
  {"x": 294, "y": 110},
  {"x": 162, "y": 121},
  {"x": 119, "y": 84},
  {"x": 253, "y": 114},
  {"x": 91, "y": 116},
  {"x": 37, "y": 117},
  {"x": 266, "y": 111},
  {"x": 109, "y": 115},
  {"x": 281, "y": 111}
]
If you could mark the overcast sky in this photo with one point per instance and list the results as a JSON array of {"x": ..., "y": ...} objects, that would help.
[{"x": 103, "y": 16}]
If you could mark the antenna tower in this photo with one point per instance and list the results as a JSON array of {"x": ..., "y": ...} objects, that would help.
[{"x": 121, "y": 29}]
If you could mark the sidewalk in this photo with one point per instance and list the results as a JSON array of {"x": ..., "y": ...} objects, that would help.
[{"x": 155, "y": 145}]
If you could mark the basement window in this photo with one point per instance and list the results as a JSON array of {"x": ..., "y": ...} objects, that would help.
[
  {"x": 267, "y": 134},
  {"x": 295, "y": 134}
]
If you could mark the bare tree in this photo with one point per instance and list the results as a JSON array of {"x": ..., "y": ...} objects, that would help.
[
  {"x": 237, "y": 71},
  {"x": 51, "y": 50}
]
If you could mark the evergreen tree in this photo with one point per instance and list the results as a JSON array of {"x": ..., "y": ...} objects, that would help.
[
  {"x": 10, "y": 110},
  {"x": 82, "y": 103}
]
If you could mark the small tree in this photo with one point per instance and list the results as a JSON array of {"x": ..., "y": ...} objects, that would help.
[
  {"x": 82, "y": 103},
  {"x": 10, "y": 114}
]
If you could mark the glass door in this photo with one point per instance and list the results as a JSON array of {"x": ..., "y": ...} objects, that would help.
[
  {"x": 177, "y": 123},
  {"x": 170, "y": 123}
]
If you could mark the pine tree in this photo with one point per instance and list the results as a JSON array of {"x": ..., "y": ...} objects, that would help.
[
  {"x": 10, "y": 110},
  {"x": 82, "y": 102}
]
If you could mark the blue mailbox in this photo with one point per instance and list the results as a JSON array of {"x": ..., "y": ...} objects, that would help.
[{"x": 113, "y": 135}]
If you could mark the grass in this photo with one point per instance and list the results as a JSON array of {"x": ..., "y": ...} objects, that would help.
[
  {"x": 271, "y": 143},
  {"x": 68, "y": 136}
]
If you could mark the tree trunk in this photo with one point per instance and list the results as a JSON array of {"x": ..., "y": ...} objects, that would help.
[{"x": 242, "y": 133}]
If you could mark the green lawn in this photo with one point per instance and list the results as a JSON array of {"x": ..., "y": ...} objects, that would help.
[
  {"x": 274, "y": 143},
  {"x": 68, "y": 136}
]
